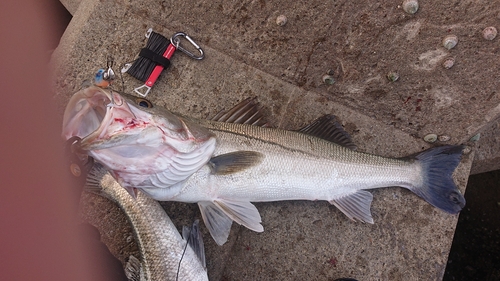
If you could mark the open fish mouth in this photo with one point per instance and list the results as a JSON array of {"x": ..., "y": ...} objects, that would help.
[
  {"x": 98, "y": 116},
  {"x": 85, "y": 112},
  {"x": 139, "y": 146}
]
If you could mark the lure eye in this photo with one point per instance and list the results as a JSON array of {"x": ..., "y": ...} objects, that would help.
[{"x": 144, "y": 103}]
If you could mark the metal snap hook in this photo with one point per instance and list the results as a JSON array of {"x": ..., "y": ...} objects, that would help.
[
  {"x": 109, "y": 74},
  {"x": 176, "y": 41}
]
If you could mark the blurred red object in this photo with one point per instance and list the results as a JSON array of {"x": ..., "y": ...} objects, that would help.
[{"x": 39, "y": 239}]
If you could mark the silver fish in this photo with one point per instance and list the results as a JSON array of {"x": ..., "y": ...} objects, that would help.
[
  {"x": 223, "y": 166},
  {"x": 164, "y": 253}
]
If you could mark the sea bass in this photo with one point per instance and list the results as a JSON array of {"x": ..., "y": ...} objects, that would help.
[
  {"x": 164, "y": 253},
  {"x": 223, "y": 166}
]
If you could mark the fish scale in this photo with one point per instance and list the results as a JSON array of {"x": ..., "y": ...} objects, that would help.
[
  {"x": 289, "y": 159},
  {"x": 292, "y": 140}
]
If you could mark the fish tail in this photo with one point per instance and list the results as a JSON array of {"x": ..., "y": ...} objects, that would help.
[{"x": 438, "y": 187}]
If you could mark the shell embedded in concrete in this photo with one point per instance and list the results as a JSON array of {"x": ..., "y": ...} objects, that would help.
[
  {"x": 444, "y": 138},
  {"x": 450, "y": 41},
  {"x": 393, "y": 76},
  {"x": 431, "y": 138},
  {"x": 489, "y": 33},
  {"x": 410, "y": 6},
  {"x": 281, "y": 20},
  {"x": 475, "y": 137},
  {"x": 448, "y": 62},
  {"x": 328, "y": 79}
]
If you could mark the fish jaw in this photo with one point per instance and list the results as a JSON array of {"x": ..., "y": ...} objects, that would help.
[
  {"x": 105, "y": 119},
  {"x": 84, "y": 112},
  {"x": 121, "y": 124},
  {"x": 152, "y": 149},
  {"x": 99, "y": 117}
]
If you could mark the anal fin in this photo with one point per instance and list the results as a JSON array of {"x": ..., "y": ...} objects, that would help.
[{"x": 356, "y": 206}]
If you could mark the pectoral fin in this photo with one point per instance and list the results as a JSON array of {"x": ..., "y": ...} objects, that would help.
[
  {"x": 356, "y": 205},
  {"x": 219, "y": 214},
  {"x": 234, "y": 162}
]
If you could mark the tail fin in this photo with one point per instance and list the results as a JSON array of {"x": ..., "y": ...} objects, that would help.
[{"x": 438, "y": 187}]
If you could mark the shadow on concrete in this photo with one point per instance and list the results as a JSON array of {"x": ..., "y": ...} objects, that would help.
[{"x": 475, "y": 252}]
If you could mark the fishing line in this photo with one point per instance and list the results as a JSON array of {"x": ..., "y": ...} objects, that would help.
[
  {"x": 182, "y": 256},
  {"x": 123, "y": 82}
]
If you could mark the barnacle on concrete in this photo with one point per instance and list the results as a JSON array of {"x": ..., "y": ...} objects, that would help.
[
  {"x": 431, "y": 138},
  {"x": 450, "y": 41},
  {"x": 410, "y": 6},
  {"x": 489, "y": 33}
]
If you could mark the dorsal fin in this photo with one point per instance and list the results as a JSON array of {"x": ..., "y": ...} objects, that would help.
[
  {"x": 245, "y": 112},
  {"x": 329, "y": 129}
]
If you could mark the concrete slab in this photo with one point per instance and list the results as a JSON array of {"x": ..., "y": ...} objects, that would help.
[
  {"x": 302, "y": 240},
  {"x": 487, "y": 157},
  {"x": 361, "y": 42},
  {"x": 455, "y": 102}
]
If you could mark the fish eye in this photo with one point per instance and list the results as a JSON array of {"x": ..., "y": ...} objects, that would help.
[{"x": 144, "y": 103}]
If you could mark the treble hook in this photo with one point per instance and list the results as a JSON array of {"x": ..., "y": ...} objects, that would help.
[
  {"x": 176, "y": 41},
  {"x": 109, "y": 74},
  {"x": 112, "y": 102}
]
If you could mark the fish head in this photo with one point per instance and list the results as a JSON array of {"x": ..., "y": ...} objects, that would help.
[
  {"x": 93, "y": 114},
  {"x": 104, "y": 118},
  {"x": 133, "y": 139}
]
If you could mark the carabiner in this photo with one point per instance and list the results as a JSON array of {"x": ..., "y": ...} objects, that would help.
[{"x": 176, "y": 41}]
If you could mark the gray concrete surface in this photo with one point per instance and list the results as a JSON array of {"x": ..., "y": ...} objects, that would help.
[
  {"x": 247, "y": 54},
  {"x": 473, "y": 78},
  {"x": 487, "y": 157}
]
